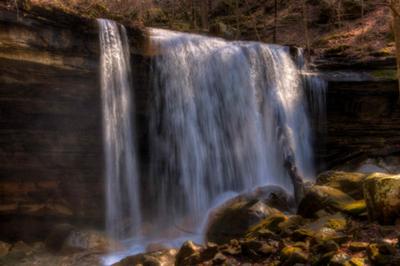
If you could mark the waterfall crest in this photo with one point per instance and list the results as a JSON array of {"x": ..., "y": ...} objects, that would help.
[
  {"x": 225, "y": 116},
  {"x": 122, "y": 189}
]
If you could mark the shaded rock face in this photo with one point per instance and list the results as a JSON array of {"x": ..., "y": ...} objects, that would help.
[
  {"x": 362, "y": 120},
  {"x": 50, "y": 124}
]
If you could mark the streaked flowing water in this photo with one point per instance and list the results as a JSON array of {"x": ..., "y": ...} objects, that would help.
[
  {"x": 223, "y": 119},
  {"x": 122, "y": 189},
  {"x": 225, "y": 116}
]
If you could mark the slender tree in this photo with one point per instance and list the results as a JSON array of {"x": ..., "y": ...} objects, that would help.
[
  {"x": 254, "y": 20},
  {"x": 237, "y": 14},
  {"x": 193, "y": 14},
  {"x": 274, "y": 36},
  {"x": 395, "y": 7},
  {"x": 204, "y": 14},
  {"x": 339, "y": 13},
  {"x": 305, "y": 27}
]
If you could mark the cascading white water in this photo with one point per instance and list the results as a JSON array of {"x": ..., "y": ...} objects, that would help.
[
  {"x": 225, "y": 117},
  {"x": 122, "y": 189}
]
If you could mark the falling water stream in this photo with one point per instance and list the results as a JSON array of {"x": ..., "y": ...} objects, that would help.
[
  {"x": 122, "y": 190},
  {"x": 224, "y": 117}
]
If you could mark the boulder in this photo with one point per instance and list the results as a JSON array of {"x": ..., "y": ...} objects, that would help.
[
  {"x": 275, "y": 197},
  {"x": 186, "y": 252},
  {"x": 348, "y": 182},
  {"x": 234, "y": 218},
  {"x": 65, "y": 237},
  {"x": 329, "y": 200},
  {"x": 4, "y": 248},
  {"x": 159, "y": 258},
  {"x": 292, "y": 255},
  {"x": 382, "y": 195},
  {"x": 324, "y": 231}
]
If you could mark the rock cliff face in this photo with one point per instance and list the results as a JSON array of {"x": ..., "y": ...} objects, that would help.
[
  {"x": 363, "y": 116},
  {"x": 50, "y": 122}
]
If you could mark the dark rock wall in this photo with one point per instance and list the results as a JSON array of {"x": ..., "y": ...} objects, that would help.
[
  {"x": 50, "y": 123},
  {"x": 363, "y": 119}
]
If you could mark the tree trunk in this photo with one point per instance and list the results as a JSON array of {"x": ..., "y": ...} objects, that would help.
[
  {"x": 305, "y": 28},
  {"x": 204, "y": 14},
  {"x": 237, "y": 13},
  {"x": 339, "y": 13},
  {"x": 254, "y": 20},
  {"x": 274, "y": 36},
  {"x": 395, "y": 7},
  {"x": 193, "y": 12}
]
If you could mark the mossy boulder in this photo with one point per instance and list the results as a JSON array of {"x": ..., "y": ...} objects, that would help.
[
  {"x": 159, "y": 258},
  {"x": 234, "y": 218},
  {"x": 348, "y": 182},
  {"x": 292, "y": 255},
  {"x": 271, "y": 224},
  {"x": 323, "y": 232},
  {"x": 382, "y": 195},
  {"x": 329, "y": 200}
]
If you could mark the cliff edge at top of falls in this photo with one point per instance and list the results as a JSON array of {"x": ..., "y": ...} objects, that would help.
[{"x": 55, "y": 31}]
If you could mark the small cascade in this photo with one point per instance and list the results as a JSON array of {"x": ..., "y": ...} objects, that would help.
[
  {"x": 122, "y": 189},
  {"x": 225, "y": 117},
  {"x": 316, "y": 90}
]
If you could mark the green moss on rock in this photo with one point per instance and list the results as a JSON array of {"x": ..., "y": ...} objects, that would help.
[{"x": 382, "y": 195}]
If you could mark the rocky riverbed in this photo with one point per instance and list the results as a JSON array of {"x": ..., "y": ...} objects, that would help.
[{"x": 345, "y": 218}]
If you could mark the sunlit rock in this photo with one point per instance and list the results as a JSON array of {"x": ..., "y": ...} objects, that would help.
[
  {"x": 188, "y": 249},
  {"x": 348, "y": 182},
  {"x": 159, "y": 258},
  {"x": 382, "y": 194},
  {"x": 293, "y": 255},
  {"x": 328, "y": 199}
]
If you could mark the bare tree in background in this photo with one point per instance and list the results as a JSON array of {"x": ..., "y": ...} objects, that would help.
[
  {"x": 274, "y": 35},
  {"x": 193, "y": 12},
  {"x": 237, "y": 14},
  {"x": 339, "y": 12},
  {"x": 395, "y": 7},
  {"x": 305, "y": 27},
  {"x": 204, "y": 14}
]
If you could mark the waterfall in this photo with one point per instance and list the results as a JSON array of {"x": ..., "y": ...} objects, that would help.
[
  {"x": 122, "y": 190},
  {"x": 225, "y": 116}
]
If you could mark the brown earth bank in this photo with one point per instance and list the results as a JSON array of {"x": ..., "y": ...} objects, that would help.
[{"x": 51, "y": 146}]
